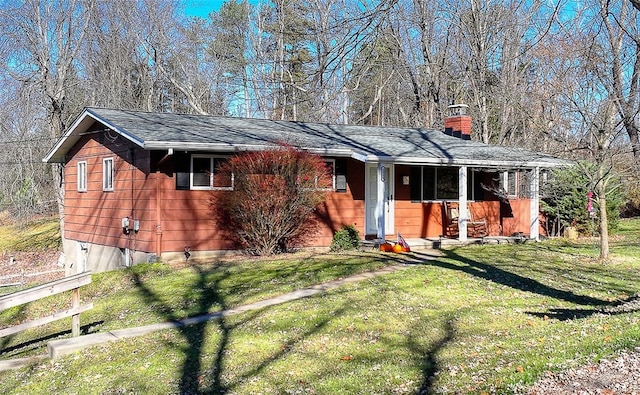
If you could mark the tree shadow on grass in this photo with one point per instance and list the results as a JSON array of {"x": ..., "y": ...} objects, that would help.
[
  {"x": 33, "y": 345},
  {"x": 194, "y": 335},
  {"x": 198, "y": 379},
  {"x": 629, "y": 305},
  {"x": 509, "y": 279},
  {"x": 288, "y": 346},
  {"x": 429, "y": 363},
  {"x": 516, "y": 281}
]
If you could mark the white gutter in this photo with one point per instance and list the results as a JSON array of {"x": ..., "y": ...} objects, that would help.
[
  {"x": 226, "y": 147},
  {"x": 480, "y": 163}
]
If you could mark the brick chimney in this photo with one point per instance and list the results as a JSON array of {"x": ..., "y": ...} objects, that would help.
[{"x": 458, "y": 123}]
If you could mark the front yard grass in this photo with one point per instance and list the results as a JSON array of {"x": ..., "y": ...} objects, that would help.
[{"x": 479, "y": 319}]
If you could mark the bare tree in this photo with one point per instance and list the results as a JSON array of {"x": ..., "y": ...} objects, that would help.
[
  {"x": 619, "y": 58},
  {"x": 41, "y": 43},
  {"x": 493, "y": 40},
  {"x": 586, "y": 74},
  {"x": 26, "y": 186}
]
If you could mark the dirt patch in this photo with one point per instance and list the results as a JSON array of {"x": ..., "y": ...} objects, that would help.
[
  {"x": 619, "y": 375},
  {"x": 29, "y": 267}
]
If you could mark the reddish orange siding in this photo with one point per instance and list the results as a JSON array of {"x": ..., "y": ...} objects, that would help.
[
  {"x": 172, "y": 219},
  {"x": 342, "y": 208},
  {"x": 95, "y": 216}
]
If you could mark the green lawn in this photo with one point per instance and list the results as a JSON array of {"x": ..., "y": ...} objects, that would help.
[
  {"x": 480, "y": 319},
  {"x": 38, "y": 234}
]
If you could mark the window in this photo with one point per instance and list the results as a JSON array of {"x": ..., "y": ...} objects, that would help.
[
  {"x": 201, "y": 172},
  {"x": 509, "y": 183},
  {"x": 107, "y": 174},
  {"x": 82, "y": 176},
  {"x": 438, "y": 183},
  {"x": 340, "y": 175},
  {"x": 205, "y": 174},
  {"x": 330, "y": 165}
]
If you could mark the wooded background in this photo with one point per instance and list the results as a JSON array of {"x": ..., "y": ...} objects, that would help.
[{"x": 560, "y": 77}]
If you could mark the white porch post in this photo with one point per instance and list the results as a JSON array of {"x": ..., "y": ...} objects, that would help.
[
  {"x": 534, "y": 207},
  {"x": 462, "y": 201},
  {"x": 380, "y": 212}
]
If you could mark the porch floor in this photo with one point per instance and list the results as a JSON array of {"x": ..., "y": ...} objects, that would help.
[{"x": 441, "y": 242}]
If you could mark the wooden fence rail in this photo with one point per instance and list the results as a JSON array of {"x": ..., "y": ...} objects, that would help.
[{"x": 71, "y": 283}]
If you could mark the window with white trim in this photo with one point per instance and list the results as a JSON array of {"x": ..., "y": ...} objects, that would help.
[
  {"x": 326, "y": 181},
  {"x": 205, "y": 175},
  {"x": 107, "y": 174},
  {"x": 82, "y": 176},
  {"x": 330, "y": 165},
  {"x": 509, "y": 183}
]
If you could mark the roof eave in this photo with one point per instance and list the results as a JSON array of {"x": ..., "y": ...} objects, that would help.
[
  {"x": 81, "y": 124},
  {"x": 226, "y": 148},
  {"x": 552, "y": 163}
]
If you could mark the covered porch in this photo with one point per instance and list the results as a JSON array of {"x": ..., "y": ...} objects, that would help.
[{"x": 435, "y": 205}]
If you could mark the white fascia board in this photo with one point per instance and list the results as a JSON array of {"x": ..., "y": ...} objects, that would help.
[
  {"x": 370, "y": 158},
  {"x": 224, "y": 147},
  {"x": 214, "y": 147},
  {"x": 480, "y": 163},
  {"x": 69, "y": 137},
  {"x": 359, "y": 157},
  {"x": 78, "y": 128},
  {"x": 340, "y": 153}
]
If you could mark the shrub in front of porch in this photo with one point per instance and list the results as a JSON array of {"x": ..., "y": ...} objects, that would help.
[
  {"x": 274, "y": 194},
  {"x": 346, "y": 239}
]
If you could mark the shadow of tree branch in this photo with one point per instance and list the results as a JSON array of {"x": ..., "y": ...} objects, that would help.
[
  {"x": 429, "y": 363},
  {"x": 195, "y": 334},
  {"x": 509, "y": 279}
]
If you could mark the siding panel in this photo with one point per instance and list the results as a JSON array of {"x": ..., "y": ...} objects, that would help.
[{"x": 95, "y": 216}]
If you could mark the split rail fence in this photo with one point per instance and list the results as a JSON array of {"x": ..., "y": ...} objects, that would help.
[{"x": 71, "y": 283}]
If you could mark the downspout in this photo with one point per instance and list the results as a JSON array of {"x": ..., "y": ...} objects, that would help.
[{"x": 159, "y": 201}]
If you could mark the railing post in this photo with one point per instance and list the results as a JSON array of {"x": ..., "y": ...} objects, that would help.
[{"x": 75, "y": 319}]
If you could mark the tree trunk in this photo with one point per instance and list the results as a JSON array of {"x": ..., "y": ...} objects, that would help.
[{"x": 604, "y": 223}]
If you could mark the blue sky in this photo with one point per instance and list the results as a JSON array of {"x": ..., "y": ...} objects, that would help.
[{"x": 202, "y": 8}]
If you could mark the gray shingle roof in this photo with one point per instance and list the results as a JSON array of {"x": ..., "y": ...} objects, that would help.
[{"x": 218, "y": 133}]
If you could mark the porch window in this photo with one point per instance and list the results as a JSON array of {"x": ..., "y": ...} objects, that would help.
[
  {"x": 205, "y": 175},
  {"x": 438, "y": 183},
  {"x": 509, "y": 183},
  {"x": 513, "y": 183},
  {"x": 82, "y": 176},
  {"x": 107, "y": 174}
]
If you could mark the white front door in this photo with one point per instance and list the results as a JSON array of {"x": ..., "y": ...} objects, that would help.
[{"x": 379, "y": 206}]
